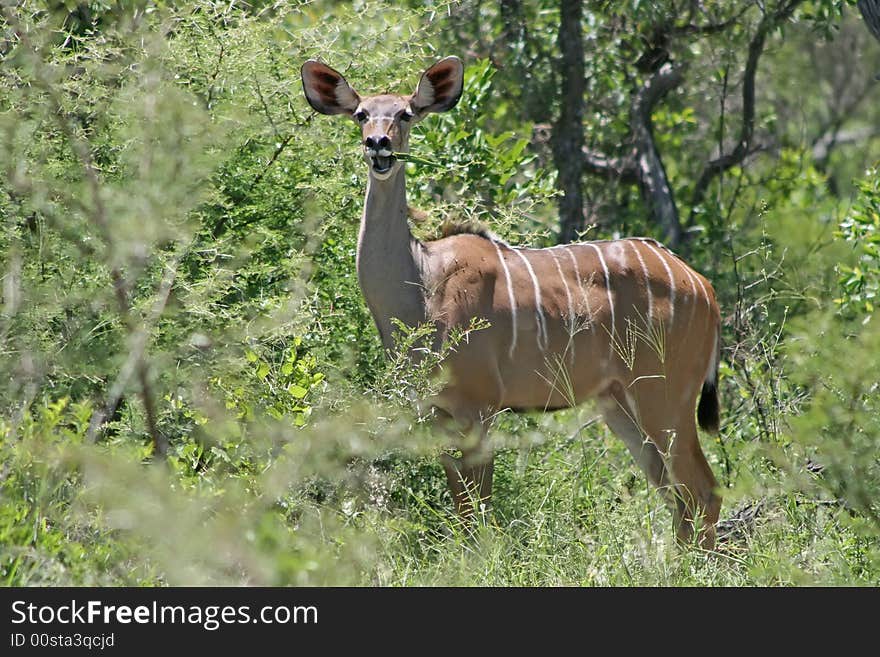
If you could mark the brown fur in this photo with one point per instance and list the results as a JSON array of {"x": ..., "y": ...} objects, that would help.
[{"x": 450, "y": 227}]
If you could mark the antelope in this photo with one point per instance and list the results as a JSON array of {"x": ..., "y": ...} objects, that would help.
[{"x": 625, "y": 322}]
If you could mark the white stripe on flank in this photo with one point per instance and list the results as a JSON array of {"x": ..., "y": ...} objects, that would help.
[
  {"x": 510, "y": 298},
  {"x": 539, "y": 311},
  {"x": 687, "y": 271},
  {"x": 671, "y": 279},
  {"x": 577, "y": 273},
  {"x": 570, "y": 320},
  {"x": 647, "y": 281},
  {"x": 607, "y": 286},
  {"x": 705, "y": 293}
]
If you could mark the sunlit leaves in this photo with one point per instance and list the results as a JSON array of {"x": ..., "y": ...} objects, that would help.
[{"x": 860, "y": 283}]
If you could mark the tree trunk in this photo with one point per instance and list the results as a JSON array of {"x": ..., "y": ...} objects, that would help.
[
  {"x": 568, "y": 132},
  {"x": 653, "y": 181},
  {"x": 871, "y": 13}
]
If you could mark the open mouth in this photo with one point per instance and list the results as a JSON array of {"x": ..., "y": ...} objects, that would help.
[{"x": 382, "y": 163}]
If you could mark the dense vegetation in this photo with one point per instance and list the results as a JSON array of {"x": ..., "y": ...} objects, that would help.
[{"x": 193, "y": 391}]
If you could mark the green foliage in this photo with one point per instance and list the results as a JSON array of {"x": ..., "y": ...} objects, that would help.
[
  {"x": 41, "y": 541},
  {"x": 840, "y": 429},
  {"x": 285, "y": 386},
  {"x": 472, "y": 162},
  {"x": 860, "y": 283}
]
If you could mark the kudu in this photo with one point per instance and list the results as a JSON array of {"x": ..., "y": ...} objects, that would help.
[{"x": 624, "y": 321}]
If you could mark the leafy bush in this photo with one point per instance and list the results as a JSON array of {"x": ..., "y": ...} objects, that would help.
[{"x": 861, "y": 227}]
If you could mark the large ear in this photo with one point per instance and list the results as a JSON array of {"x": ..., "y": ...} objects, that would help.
[
  {"x": 326, "y": 90},
  {"x": 440, "y": 87}
]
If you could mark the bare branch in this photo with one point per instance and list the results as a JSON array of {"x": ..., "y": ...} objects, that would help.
[
  {"x": 643, "y": 165},
  {"x": 667, "y": 78},
  {"x": 726, "y": 161},
  {"x": 710, "y": 28},
  {"x": 96, "y": 212},
  {"x": 832, "y": 134},
  {"x": 828, "y": 141},
  {"x": 599, "y": 164},
  {"x": 136, "y": 354},
  {"x": 651, "y": 174}
]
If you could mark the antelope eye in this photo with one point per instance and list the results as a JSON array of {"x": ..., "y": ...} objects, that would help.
[
  {"x": 406, "y": 115},
  {"x": 360, "y": 116}
]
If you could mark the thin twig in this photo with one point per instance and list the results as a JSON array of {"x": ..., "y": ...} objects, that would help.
[
  {"x": 742, "y": 150},
  {"x": 136, "y": 352},
  {"x": 96, "y": 212}
]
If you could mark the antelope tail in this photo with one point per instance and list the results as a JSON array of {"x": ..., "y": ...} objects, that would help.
[{"x": 709, "y": 410}]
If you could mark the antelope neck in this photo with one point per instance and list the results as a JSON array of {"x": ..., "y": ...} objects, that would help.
[{"x": 390, "y": 263}]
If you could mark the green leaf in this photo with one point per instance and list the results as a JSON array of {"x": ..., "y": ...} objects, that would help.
[{"x": 297, "y": 392}]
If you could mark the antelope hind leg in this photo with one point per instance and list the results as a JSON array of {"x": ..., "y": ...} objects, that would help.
[
  {"x": 676, "y": 465},
  {"x": 695, "y": 486},
  {"x": 622, "y": 420}
]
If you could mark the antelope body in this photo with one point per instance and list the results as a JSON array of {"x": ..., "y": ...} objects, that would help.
[{"x": 626, "y": 321}]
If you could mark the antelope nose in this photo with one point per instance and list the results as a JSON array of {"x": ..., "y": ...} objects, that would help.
[{"x": 374, "y": 144}]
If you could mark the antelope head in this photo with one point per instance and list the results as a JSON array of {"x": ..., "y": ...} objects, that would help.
[{"x": 385, "y": 119}]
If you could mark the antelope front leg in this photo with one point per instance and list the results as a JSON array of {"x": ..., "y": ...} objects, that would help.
[{"x": 470, "y": 477}]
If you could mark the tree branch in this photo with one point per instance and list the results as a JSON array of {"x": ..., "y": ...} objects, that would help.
[
  {"x": 726, "y": 161},
  {"x": 651, "y": 174},
  {"x": 710, "y": 28},
  {"x": 97, "y": 214},
  {"x": 619, "y": 168},
  {"x": 828, "y": 141},
  {"x": 667, "y": 78},
  {"x": 643, "y": 166},
  {"x": 831, "y": 133}
]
